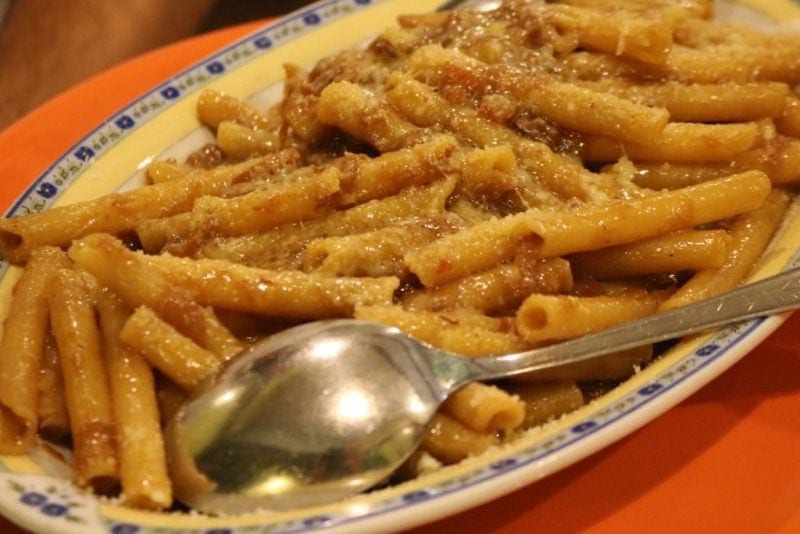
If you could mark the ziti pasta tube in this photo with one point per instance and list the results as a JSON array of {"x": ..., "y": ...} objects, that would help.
[
  {"x": 545, "y": 401},
  {"x": 450, "y": 441},
  {"x": 559, "y": 317},
  {"x": 175, "y": 355},
  {"x": 485, "y": 408},
  {"x": 140, "y": 444},
  {"x": 751, "y": 233},
  {"x": 21, "y": 349},
  {"x": 687, "y": 250},
  {"x": 237, "y": 287},
  {"x": 77, "y": 334},
  {"x": 587, "y": 228},
  {"x": 130, "y": 277},
  {"x": 118, "y": 212},
  {"x": 52, "y": 407}
]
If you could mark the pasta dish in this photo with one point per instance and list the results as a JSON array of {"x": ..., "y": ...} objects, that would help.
[{"x": 487, "y": 181}]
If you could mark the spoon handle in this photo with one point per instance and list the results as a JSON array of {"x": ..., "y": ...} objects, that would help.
[
  {"x": 771, "y": 295},
  {"x": 450, "y": 5}
]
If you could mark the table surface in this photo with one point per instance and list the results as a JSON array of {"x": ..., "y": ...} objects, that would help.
[{"x": 726, "y": 459}]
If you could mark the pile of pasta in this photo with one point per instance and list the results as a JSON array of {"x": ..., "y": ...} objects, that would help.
[{"x": 488, "y": 182}]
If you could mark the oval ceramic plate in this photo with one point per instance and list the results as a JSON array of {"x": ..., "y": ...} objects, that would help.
[{"x": 35, "y": 491}]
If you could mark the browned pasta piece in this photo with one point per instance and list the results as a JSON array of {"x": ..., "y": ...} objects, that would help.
[
  {"x": 469, "y": 334},
  {"x": 155, "y": 234},
  {"x": 360, "y": 178},
  {"x": 275, "y": 293},
  {"x": 559, "y": 174},
  {"x": 115, "y": 213},
  {"x": 237, "y": 287},
  {"x": 685, "y": 9},
  {"x": 679, "y": 251},
  {"x": 586, "y": 228},
  {"x": 698, "y": 8},
  {"x": 376, "y": 253},
  {"x": 429, "y": 20},
  {"x": 613, "y": 31},
  {"x": 789, "y": 121},
  {"x": 366, "y": 66},
  {"x": 668, "y": 175},
  {"x": 679, "y": 141},
  {"x": 21, "y": 349},
  {"x": 130, "y": 276},
  {"x": 565, "y": 104},
  {"x": 726, "y": 102},
  {"x": 497, "y": 288},
  {"x": 299, "y": 107},
  {"x": 779, "y": 159},
  {"x": 399, "y": 41},
  {"x": 166, "y": 349},
  {"x": 485, "y": 408},
  {"x": 85, "y": 381},
  {"x": 362, "y": 115},
  {"x": 751, "y": 233},
  {"x": 391, "y": 172},
  {"x": 487, "y": 172},
  {"x": 170, "y": 397},
  {"x": 239, "y": 141},
  {"x": 708, "y": 65},
  {"x": 558, "y": 317},
  {"x": 735, "y": 63},
  {"x": 166, "y": 170},
  {"x": 450, "y": 441},
  {"x": 282, "y": 246},
  {"x": 52, "y": 407},
  {"x": 611, "y": 367},
  {"x": 214, "y": 107},
  {"x": 140, "y": 445},
  {"x": 546, "y": 401},
  {"x": 698, "y": 33},
  {"x": 550, "y": 172},
  {"x": 246, "y": 326},
  {"x": 583, "y": 65},
  {"x": 306, "y": 197}
]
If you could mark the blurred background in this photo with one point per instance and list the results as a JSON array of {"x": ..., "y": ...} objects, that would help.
[
  {"x": 227, "y": 13},
  {"x": 47, "y": 46}
]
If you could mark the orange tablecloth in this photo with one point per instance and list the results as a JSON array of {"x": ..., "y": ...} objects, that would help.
[{"x": 725, "y": 460}]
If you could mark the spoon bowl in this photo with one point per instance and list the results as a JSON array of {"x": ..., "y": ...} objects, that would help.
[
  {"x": 329, "y": 409},
  {"x": 305, "y": 414}
]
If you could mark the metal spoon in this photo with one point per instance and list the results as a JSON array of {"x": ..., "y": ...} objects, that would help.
[{"x": 331, "y": 408}]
